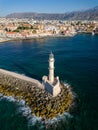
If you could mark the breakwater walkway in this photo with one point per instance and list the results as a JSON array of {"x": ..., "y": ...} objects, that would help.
[
  {"x": 42, "y": 103},
  {"x": 17, "y": 80}
]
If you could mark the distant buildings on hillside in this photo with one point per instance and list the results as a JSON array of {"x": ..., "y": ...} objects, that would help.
[{"x": 29, "y": 28}]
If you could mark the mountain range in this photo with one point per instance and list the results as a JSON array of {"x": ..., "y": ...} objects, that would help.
[{"x": 89, "y": 14}]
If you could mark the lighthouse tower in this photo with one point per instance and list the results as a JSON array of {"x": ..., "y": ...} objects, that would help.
[
  {"x": 51, "y": 68},
  {"x": 50, "y": 83}
]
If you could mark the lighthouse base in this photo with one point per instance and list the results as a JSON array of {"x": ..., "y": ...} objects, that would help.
[{"x": 52, "y": 88}]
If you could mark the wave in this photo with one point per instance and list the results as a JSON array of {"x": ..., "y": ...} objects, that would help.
[
  {"x": 66, "y": 84},
  {"x": 33, "y": 119},
  {"x": 23, "y": 109},
  {"x": 8, "y": 98},
  {"x": 59, "y": 118}
]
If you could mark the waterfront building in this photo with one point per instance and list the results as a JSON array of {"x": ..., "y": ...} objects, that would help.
[{"x": 50, "y": 83}]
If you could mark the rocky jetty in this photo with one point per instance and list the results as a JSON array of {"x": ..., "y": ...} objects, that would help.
[{"x": 41, "y": 102}]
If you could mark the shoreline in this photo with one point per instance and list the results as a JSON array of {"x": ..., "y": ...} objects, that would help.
[
  {"x": 42, "y": 104},
  {"x": 34, "y": 37},
  {"x": 2, "y": 40},
  {"x": 33, "y": 119}
]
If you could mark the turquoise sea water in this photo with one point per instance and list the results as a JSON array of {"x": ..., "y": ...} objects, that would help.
[{"x": 76, "y": 62}]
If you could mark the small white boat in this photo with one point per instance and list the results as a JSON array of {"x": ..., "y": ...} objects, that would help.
[{"x": 93, "y": 33}]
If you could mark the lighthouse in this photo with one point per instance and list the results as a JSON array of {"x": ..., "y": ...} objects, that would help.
[
  {"x": 50, "y": 83},
  {"x": 51, "y": 67}
]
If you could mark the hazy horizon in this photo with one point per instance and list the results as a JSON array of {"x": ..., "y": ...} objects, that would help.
[{"x": 44, "y": 6}]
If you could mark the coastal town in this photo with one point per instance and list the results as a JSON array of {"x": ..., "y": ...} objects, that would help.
[{"x": 14, "y": 28}]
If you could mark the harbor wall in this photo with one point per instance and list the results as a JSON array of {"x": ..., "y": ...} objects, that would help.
[{"x": 21, "y": 82}]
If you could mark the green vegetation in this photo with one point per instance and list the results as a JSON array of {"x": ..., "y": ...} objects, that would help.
[
  {"x": 17, "y": 30},
  {"x": 24, "y": 28}
]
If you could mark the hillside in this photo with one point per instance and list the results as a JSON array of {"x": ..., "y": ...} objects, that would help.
[{"x": 90, "y": 14}]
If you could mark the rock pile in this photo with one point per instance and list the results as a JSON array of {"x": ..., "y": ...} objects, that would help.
[{"x": 41, "y": 103}]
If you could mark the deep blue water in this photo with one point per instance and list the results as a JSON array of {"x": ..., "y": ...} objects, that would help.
[{"x": 76, "y": 62}]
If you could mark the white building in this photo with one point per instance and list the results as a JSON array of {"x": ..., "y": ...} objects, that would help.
[{"x": 51, "y": 84}]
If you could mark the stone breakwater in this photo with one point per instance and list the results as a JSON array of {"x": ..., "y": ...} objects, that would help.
[
  {"x": 41, "y": 103},
  {"x": 18, "y": 81}
]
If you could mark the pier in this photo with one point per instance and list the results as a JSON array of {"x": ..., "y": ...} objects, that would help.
[
  {"x": 41, "y": 102},
  {"x": 17, "y": 80}
]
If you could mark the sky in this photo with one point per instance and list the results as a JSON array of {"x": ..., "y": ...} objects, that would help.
[{"x": 44, "y": 6}]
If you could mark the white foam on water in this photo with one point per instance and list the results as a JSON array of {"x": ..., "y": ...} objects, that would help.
[
  {"x": 24, "y": 109},
  {"x": 58, "y": 118},
  {"x": 32, "y": 119},
  {"x": 66, "y": 84},
  {"x": 23, "y": 74},
  {"x": 8, "y": 98},
  {"x": 22, "y": 102},
  {"x": 18, "y": 73},
  {"x": 1, "y": 95}
]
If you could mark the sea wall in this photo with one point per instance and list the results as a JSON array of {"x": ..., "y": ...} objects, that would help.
[
  {"x": 19, "y": 81},
  {"x": 42, "y": 103}
]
